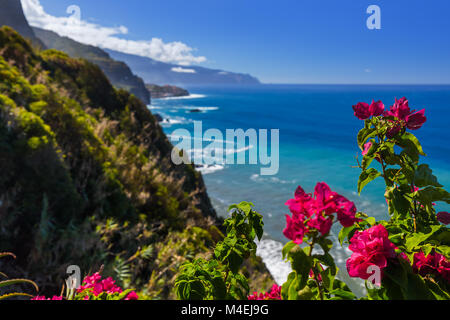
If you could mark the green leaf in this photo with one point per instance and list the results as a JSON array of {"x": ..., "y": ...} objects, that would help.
[
  {"x": 365, "y": 134},
  {"x": 424, "y": 177},
  {"x": 18, "y": 281},
  {"x": 436, "y": 290},
  {"x": 325, "y": 243},
  {"x": 371, "y": 220},
  {"x": 287, "y": 248},
  {"x": 345, "y": 232},
  {"x": 414, "y": 239},
  {"x": 399, "y": 205},
  {"x": 411, "y": 145},
  {"x": 285, "y": 287},
  {"x": 302, "y": 264},
  {"x": 366, "y": 177},
  {"x": 343, "y": 295},
  {"x": 15, "y": 294},
  {"x": 305, "y": 294}
]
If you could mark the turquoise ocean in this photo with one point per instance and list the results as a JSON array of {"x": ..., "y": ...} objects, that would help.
[{"x": 317, "y": 131}]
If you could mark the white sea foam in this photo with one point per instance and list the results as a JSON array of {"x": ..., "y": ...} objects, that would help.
[
  {"x": 189, "y": 109},
  {"x": 171, "y": 121},
  {"x": 270, "y": 251},
  {"x": 206, "y": 169},
  {"x": 258, "y": 178},
  {"x": 191, "y": 96}
]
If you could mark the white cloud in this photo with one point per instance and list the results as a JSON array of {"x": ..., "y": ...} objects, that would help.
[
  {"x": 368, "y": 70},
  {"x": 183, "y": 70},
  {"x": 76, "y": 28}
]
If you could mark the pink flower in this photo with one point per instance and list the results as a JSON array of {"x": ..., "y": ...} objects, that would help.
[
  {"x": 321, "y": 223},
  {"x": 295, "y": 228},
  {"x": 399, "y": 110},
  {"x": 434, "y": 263},
  {"x": 416, "y": 120},
  {"x": 316, "y": 213},
  {"x": 301, "y": 203},
  {"x": 404, "y": 117},
  {"x": 376, "y": 108},
  {"x": 370, "y": 247},
  {"x": 367, "y": 147},
  {"x": 273, "y": 294},
  {"x": 132, "y": 296},
  {"x": 346, "y": 213},
  {"x": 362, "y": 111},
  {"x": 44, "y": 298},
  {"x": 443, "y": 217}
]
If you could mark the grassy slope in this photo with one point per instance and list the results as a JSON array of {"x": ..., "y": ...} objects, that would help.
[{"x": 87, "y": 179}]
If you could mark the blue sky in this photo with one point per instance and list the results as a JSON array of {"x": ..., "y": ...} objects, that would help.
[{"x": 291, "y": 41}]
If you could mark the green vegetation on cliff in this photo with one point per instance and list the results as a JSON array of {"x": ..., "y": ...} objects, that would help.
[
  {"x": 118, "y": 73},
  {"x": 87, "y": 178}
]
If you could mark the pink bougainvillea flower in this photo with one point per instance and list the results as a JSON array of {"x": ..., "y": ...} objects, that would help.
[
  {"x": 44, "y": 298},
  {"x": 132, "y": 296},
  {"x": 325, "y": 198},
  {"x": 443, "y": 217},
  {"x": 376, "y": 108},
  {"x": 301, "y": 203},
  {"x": 362, "y": 110},
  {"x": 399, "y": 110},
  {"x": 416, "y": 120},
  {"x": 370, "y": 247},
  {"x": 295, "y": 228},
  {"x": 435, "y": 263},
  {"x": 346, "y": 213},
  {"x": 321, "y": 222},
  {"x": 316, "y": 213},
  {"x": 404, "y": 117},
  {"x": 367, "y": 147},
  {"x": 273, "y": 294}
]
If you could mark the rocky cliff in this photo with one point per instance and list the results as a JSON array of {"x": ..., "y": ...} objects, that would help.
[
  {"x": 117, "y": 72},
  {"x": 161, "y": 73},
  {"x": 11, "y": 14},
  {"x": 166, "y": 91}
]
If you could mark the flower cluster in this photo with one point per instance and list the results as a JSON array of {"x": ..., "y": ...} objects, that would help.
[
  {"x": 273, "y": 294},
  {"x": 443, "y": 217},
  {"x": 399, "y": 115},
  {"x": 96, "y": 285},
  {"x": 316, "y": 213},
  {"x": 434, "y": 263},
  {"x": 370, "y": 247},
  {"x": 364, "y": 111},
  {"x": 44, "y": 298}
]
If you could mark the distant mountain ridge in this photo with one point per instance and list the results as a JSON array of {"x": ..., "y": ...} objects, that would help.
[
  {"x": 117, "y": 72},
  {"x": 11, "y": 14},
  {"x": 162, "y": 73}
]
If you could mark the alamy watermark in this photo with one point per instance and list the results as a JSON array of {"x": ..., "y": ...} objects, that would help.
[
  {"x": 374, "y": 280},
  {"x": 231, "y": 150},
  {"x": 74, "y": 280},
  {"x": 373, "y": 22}
]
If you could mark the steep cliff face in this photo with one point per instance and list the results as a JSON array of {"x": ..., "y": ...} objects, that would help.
[
  {"x": 87, "y": 176},
  {"x": 166, "y": 91},
  {"x": 117, "y": 72},
  {"x": 11, "y": 14},
  {"x": 87, "y": 179},
  {"x": 161, "y": 73}
]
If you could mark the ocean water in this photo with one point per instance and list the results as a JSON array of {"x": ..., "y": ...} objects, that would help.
[{"x": 317, "y": 143}]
